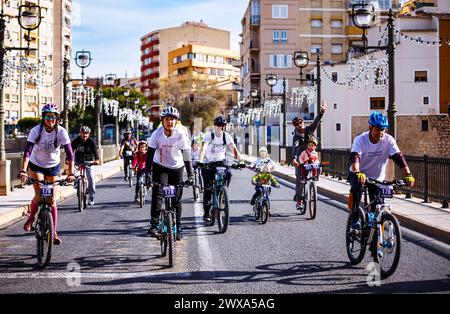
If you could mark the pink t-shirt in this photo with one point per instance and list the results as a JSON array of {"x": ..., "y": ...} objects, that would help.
[{"x": 308, "y": 157}]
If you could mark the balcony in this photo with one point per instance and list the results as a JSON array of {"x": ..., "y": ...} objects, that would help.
[
  {"x": 255, "y": 20},
  {"x": 254, "y": 45}
]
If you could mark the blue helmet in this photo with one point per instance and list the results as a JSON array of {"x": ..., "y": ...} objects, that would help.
[{"x": 379, "y": 120}]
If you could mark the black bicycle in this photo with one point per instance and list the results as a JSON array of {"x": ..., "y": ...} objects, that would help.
[
  {"x": 380, "y": 230},
  {"x": 129, "y": 155},
  {"x": 81, "y": 184},
  {"x": 43, "y": 225},
  {"x": 221, "y": 205},
  {"x": 167, "y": 228},
  {"x": 310, "y": 188},
  {"x": 262, "y": 203}
]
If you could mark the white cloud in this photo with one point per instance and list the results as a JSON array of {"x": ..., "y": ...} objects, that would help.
[{"x": 112, "y": 30}]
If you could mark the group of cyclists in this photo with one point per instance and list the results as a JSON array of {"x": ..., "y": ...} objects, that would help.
[{"x": 168, "y": 153}]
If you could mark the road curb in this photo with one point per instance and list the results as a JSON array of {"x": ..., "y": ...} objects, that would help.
[
  {"x": 418, "y": 226},
  {"x": 22, "y": 211}
]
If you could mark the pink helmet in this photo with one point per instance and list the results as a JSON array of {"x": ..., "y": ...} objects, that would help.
[{"x": 50, "y": 108}]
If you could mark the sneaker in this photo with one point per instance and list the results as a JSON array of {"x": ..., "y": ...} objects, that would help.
[
  {"x": 91, "y": 200},
  {"x": 179, "y": 235},
  {"x": 299, "y": 205},
  {"x": 136, "y": 199},
  {"x": 206, "y": 218},
  {"x": 356, "y": 225},
  {"x": 153, "y": 232},
  {"x": 28, "y": 226},
  {"x": 126, "y": 178},
  {"x": 56, "y": 240}
]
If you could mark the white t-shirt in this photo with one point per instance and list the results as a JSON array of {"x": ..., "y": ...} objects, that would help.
[
  {"x": 44, "y": 153},
  {"x": 215, "y": 151},
  {"x": 168, "y": 149},
  {"x": 374, "y": 157}
]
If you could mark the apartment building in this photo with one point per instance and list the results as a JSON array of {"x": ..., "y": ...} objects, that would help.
[
  {"x": 156, "y": 45},
  {"x": 211, "y": 64},
  {"x": 62, "y": 44},
  {"x": 272, "y": 30},
  {"x": 26, "y": 91}
]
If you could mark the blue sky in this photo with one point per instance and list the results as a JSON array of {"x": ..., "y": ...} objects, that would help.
[{"x": 111, "y": 29}]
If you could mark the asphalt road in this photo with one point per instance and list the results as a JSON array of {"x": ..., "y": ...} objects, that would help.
[{"x": 105, "y": 249}]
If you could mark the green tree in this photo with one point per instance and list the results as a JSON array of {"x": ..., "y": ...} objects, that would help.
[
  {"x": 208, "y": 101},
  {"x": 26, "y": 124}
]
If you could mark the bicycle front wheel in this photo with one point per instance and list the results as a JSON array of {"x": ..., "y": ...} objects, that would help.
[
  {"x": 195, "y": 189},
  {"x": 44, "y": 236},
  {"x": 223, "y": 214},
  {"x": 170, "y": 238},
  {"x": 312, "y": 200},
  {"x": 264, "y": 212},
  {"x": 130, "y": 177},
  {"x": 388, "y": 252},
  {"x": 355, "y": 240},
  {"x": 80, "y": 192}
]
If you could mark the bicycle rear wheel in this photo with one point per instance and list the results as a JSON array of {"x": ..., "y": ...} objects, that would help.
[
  {"x": 223, "y": 214},
  {"x": 84, "y": 194},
  {"x": 44, "y": 236},
  {"x": 195, "y": 189},
  {"x": 355, "y": 240},
  {"x": 391, "y": 246},
  {"x": 170, "y": 238},
  {"x": 312, "y": 200}
]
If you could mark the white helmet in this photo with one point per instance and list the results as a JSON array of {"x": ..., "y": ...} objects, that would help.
[
  {"x": 263, "y": 149},
  {"x": 170, "y": 112}
]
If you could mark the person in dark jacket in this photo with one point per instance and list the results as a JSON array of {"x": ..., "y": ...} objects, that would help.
[
  {"x": 301, "y": 135},
  {"x": 85, "y": 150}
]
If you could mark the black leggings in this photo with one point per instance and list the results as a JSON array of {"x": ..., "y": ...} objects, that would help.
[
  {"x": 175, "y": 176},
  {"x": 357, "y": 191},
  {"x": 208, "y": 178}
]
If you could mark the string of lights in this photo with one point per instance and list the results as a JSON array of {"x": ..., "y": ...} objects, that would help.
[{"x": 420, "y": 41}]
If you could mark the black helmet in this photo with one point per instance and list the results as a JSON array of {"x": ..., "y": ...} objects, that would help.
[{"x": 220, "y": 121}]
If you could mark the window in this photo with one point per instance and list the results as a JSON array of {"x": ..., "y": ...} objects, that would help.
[
  {"x": 316, "y": 23},
  {"x": 336, "y": 49},
  {"x": 336, "y": 23},
  {"x": 280, "y": 61},
  {"x": 279, "y": 36},
  {"x": 279, "y": 11},
  {"x": 278, "y": 88},
  {"x": 335, "y": 106},
  {"x": 424, "y": 125},
  {"x": 426, "y": 100},
  {"x": 315, "y": 47},
  {"x": 377, "y": 103},
  {"x": 338, "y": 127},
  {"x": 420, "y": 76},
  {"x": 334, "y": 77}
]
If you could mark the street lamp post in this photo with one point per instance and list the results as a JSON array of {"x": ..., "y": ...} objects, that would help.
[
  {"x": 82, "y": 60},
  {"x": 126, "y": 93},
  {"x": 111, "y": 81},
  {"x": 272, "y": 80},
  {"x": 98, "y": 109},
  {"x": 136, "y": 103},
  {"x": 29, "y": 18},
  {"x": 301, "y": 60},
  {"x": 363, "y": 16}
]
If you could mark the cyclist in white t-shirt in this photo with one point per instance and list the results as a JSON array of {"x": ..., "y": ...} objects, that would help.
[
  {"x": 370, "y": 153},
  {"x": 214, "y": 149},
  {"x": 42, "y": 159},
  {"x": 169, "y": 152}
]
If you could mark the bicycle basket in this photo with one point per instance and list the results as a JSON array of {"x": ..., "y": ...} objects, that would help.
[{"x": 169, "y": 191}]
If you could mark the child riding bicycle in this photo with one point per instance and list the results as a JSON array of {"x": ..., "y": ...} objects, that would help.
[{"x": 138, "y": 164}]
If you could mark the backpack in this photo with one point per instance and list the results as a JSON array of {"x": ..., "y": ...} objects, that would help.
[{"x": 212, "y": 138}]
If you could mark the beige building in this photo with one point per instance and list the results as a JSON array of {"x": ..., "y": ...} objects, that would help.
[
  {"x": 212, "y": 64},
  {"x": 25, "y": 93},
  {"x": 156, "y": 45},
  {"x": 62, "y": 44},
  {"x": 272, "y": 30}
]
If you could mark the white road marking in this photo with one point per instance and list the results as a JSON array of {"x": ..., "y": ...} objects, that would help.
[{"x": 87, "y": 275}]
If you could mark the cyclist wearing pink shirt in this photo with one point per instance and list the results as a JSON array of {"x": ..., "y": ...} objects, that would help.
[{"x": 42, "y": 159}]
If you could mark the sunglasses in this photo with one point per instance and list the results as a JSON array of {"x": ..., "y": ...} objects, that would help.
[{"x": 49, "y": 118}]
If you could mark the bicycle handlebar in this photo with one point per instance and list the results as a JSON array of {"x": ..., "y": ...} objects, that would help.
[
  {"x": 61, "y": 182},
  {"x": 394, "y": 182}
]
